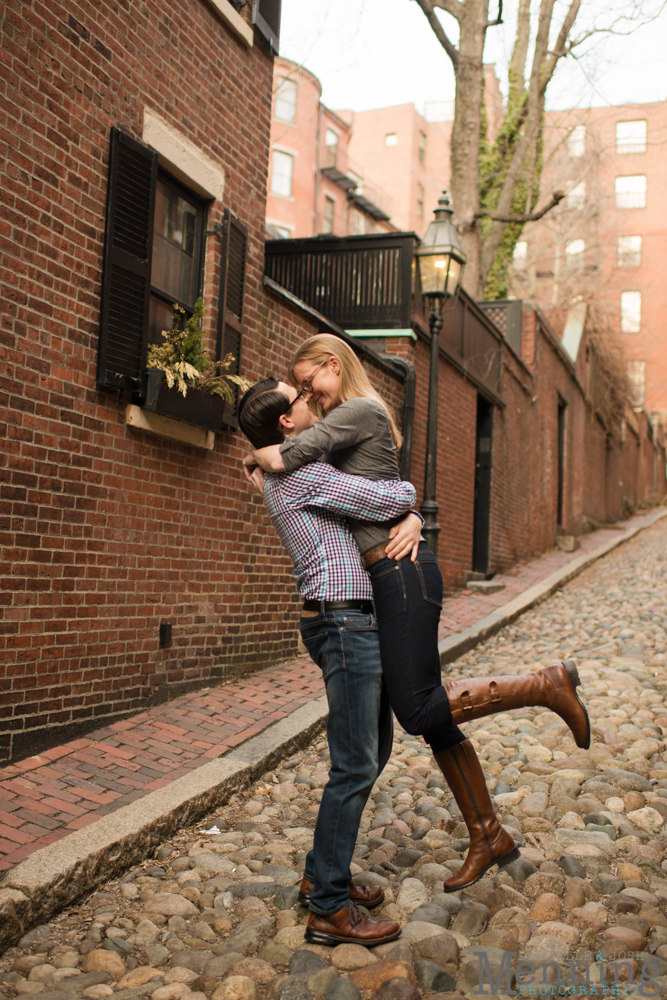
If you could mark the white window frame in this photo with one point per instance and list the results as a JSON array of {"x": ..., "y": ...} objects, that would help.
[
  {"x": 628, "y": 251},
  {"x": 277, "y": 157},
  {"x": 626, "y": 141},
  {"x": 328, "y": 200},
  {"x": 285, "y": 84},
  {"x": 630, "y": 190},
  {"x": 520, "y": 254},
  {"x": 637, "y": 379},
  {"x": 631, "y": 312},
  {"x": 391, "y": 139},
  {"x": 576, "y": 141},
  {"x": 576, "y": 196}
]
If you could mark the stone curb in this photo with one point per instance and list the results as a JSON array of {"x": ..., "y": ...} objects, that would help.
[
  {"x": 456, "y": 645},
  {"x": 56, "y": 876}
]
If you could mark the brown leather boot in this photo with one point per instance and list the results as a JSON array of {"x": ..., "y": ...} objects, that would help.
[
  {"x": 367, "y": 895},
  {"x": 554, "y": 688},
  {"x": 489, "y": 843},
  {"x": 349, "y": 925}
]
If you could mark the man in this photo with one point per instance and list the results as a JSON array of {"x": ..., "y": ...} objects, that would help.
[{"x": 308, "y": 508}]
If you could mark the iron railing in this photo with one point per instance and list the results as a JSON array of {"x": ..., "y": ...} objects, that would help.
[{"x": 358, "y": 282}]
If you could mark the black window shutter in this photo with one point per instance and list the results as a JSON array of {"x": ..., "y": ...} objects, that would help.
[
  {"x": 126, "y": 275},
  {"x": 266, "y": 18},
  {"x": 230, "y": 310}
]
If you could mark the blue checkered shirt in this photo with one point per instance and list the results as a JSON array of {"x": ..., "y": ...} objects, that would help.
[{"x": 308, "y": 508}]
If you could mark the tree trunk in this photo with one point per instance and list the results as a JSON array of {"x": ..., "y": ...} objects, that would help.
[{"x": 465, "y": 138}]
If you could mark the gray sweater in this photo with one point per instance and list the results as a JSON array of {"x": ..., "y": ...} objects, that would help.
[{"x": 356, "y": 438}]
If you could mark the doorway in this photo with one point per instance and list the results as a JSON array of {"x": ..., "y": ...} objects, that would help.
[
  {"x": 562, "y": 406},
  {"x": 482, "y": 508}
]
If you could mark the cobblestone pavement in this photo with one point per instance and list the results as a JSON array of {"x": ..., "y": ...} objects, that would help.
[
  {"x": 44, "y": 798},
  {"x": 214, "y": 914}
]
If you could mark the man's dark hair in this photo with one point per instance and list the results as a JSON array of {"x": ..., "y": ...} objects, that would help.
[{"x": 259, "y": 412}]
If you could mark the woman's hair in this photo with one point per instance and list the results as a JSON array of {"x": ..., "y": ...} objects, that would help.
[
  {"x": 354, "y": 382},
  {"x": 259, "y": 412}
]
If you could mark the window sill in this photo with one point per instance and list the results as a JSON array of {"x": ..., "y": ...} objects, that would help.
[
  {"x": 167, "y": 427},
  {"x": 234, "y": 21}
]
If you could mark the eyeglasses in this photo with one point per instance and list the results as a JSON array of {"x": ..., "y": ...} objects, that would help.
[
  {"x": 296, "y": 399},
  {"x": 307, "y": 384}
]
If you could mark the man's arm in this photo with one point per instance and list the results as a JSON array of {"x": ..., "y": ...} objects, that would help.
[{"x": 325, "y": 487}]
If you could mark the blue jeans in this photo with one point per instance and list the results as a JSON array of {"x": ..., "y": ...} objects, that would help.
[
  {"x": 408, "y": 602},
  {"x": 345, "y": 646}
]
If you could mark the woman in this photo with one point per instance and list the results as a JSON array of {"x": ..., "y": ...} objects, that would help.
[{"x": 358, "y": 435}]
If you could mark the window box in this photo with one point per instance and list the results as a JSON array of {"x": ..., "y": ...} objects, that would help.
[{"x": 198, "y": 407}]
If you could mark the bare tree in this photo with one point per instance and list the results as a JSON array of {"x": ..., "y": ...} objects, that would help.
[{"x": 495, "y": 189}]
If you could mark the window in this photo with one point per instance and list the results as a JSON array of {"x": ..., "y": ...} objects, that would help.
[
  {"x": 520, "y": 254},
  {"x": 631, "y": 312},
  {"x": 391, "y": 139},
  {"x": 329, "y": 206},
  {"x": 631, "y": 191},
  {"x": 285, "y": 107},
  {"x": 637, "y": 380},
  {"x": 631, "y": 137},
  {"x": 420, "y": 201},
  {"x": 153, "y": 257},
  {"x": 356, "y": 223},
  {"x": 331, "y": 143},
  {"x": 577, "y": 196},
  {"x": 574, "y": 252},
  {"x": 629, "y": 251},
  {"x": 175, "y": 269},
  {"x": 281, "y": 174},
  {"x": 422, "y": 148},
  {"x": 576, "y": 141}
]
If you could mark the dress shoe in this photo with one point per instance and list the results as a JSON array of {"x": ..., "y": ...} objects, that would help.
[
  {"x": 368, "y": 895},
  {"x": 349, "y": 926}
]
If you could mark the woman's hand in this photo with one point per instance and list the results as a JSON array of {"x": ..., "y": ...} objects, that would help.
[
  {"x": 404, "y": 538},
  {"x": 249, "y": 466},
  {"x": 257, "y": 480}
]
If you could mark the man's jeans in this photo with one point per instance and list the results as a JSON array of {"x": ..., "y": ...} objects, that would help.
[{"x": 345, "y": 646}]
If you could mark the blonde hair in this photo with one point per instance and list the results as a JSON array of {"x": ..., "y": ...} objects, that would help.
[{"x": 354, "y": 381}]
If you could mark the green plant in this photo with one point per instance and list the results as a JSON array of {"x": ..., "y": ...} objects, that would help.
[{"x": 186, "y": 363}]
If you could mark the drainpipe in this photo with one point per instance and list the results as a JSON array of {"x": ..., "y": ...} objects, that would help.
[
  {"x": 317, "y": 165},
  {"x": 408, "y": 416}
]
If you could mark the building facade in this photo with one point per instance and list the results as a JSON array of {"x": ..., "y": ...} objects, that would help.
[{"x": 315, "y": 187}]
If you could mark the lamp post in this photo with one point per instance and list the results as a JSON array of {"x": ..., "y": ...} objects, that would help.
[{"x": 441, "y": 261}]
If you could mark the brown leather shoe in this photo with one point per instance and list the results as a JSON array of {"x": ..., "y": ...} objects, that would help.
[
  {"x": 554, "y": 688},
  {"x": 368, "y": 895},
  {"x": 349, "y": 925},
  {"x": 490, "y": 844}
]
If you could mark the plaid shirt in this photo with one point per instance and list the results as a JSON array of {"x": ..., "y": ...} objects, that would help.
[{"x": 308, "y": 508}]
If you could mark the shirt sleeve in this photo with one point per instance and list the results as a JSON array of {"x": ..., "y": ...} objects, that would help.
[
  {"x": 349, "y": 424},
  {"x": 326, "y": 488}
]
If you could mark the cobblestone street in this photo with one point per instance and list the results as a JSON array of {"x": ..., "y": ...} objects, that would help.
[{"x": 214, "y": 914}]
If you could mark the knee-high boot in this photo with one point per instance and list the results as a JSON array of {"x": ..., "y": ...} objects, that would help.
[
  {"x": 554, "y": 688},
  {"x": 490, "y": 844}
]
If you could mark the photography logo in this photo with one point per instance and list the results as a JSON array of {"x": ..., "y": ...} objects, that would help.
[{"x": 585, "y": 974}]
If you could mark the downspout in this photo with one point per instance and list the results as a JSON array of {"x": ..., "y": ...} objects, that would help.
[
  {"x": 408, "y": 417},
  {"x": 318, "y": 158}
]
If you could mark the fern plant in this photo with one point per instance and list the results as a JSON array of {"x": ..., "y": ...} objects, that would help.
[{"x": 185, "y": 362}]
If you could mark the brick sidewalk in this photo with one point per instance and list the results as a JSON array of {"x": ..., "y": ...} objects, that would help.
[{"x": 44, "y": 798}]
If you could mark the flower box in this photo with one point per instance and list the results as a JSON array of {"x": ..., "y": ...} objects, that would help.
[{"x": 200, "y": 408}]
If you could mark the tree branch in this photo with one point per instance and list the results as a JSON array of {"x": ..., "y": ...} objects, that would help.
[
  {"x": 453, "y": 7},
  {"x": 438, "y": 30},
  {"x": 499, "y": 19},
  {"x": 556, "y": 197},
  {"x": 547, "y": 71}
]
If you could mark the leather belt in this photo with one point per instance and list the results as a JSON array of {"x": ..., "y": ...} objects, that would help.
[
  {"x": 365, "y": 606},
  {"x": 374, "y": 555}
]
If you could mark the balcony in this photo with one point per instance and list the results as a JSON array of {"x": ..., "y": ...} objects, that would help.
[
  {"x": 369, "y": 197},
  {"x": 358, "y": 282}
]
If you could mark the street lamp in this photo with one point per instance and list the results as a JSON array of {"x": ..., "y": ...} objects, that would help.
[{"x": 441, "y": 261}]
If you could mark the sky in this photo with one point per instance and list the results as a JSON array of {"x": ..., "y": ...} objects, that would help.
[{"x": 377, "y": 53}]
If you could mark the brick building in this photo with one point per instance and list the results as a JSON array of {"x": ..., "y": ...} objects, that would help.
[
  {"x": 314, "y": 184},
  {"x": 132, "y": 178},
  {"x": 604, "y": 245}
]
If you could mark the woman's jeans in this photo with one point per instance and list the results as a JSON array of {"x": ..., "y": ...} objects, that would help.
[
  {"x": 408, "y": 602},
  {"x": 344, "y": 644}
]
